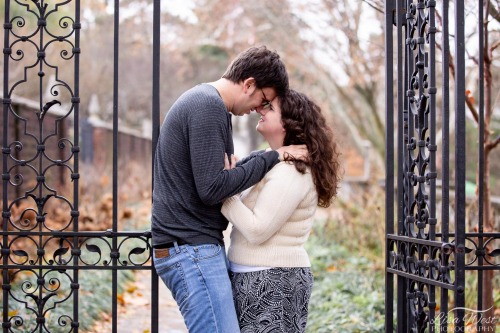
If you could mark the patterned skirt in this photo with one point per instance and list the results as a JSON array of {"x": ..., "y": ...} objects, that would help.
[{"x": 273, "y": 300}]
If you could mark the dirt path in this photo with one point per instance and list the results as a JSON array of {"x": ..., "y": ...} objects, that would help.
[{"x": 134, "y": 313}]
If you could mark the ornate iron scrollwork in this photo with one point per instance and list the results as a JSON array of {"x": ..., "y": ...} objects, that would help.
[
  {"x": 44, "y": 258},
  {"x": 426, "y": 264},
  {"x": 34, "y": 39}
]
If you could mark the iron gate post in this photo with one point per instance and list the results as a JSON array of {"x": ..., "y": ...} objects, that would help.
[{"x": 425, "y": 263}]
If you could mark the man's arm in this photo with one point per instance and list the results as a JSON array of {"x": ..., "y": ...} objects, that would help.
[
  {"x": 276, "y": 202},
  {"x": 249, "y": 157},
  {"x": 207, "y": 145},
  {"x": 298, "y": 151}
]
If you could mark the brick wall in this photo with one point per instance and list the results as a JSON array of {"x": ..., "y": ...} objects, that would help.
[{"x": 96, "y": 146}]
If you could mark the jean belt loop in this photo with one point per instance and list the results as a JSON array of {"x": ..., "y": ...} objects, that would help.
[{"x": 177, "y": 249}]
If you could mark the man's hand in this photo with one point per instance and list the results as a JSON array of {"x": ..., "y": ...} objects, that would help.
[
  {"x": 232, "y": 165},
  {"x": 299, "y": 152}
]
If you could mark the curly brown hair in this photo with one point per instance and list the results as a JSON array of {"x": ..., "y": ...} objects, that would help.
[{"x": 305, "y": 124}]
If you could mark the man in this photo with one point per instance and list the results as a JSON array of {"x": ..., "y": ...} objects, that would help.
[{"x": 191, "y": 183}]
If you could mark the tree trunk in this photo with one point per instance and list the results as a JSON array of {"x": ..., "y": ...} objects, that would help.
[{"x": 487, "y": 295}]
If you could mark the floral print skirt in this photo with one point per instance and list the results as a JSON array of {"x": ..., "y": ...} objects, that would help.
[{"x": 272, "y": 300}]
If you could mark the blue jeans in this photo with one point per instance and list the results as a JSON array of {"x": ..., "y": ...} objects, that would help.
[{"x": 199, "y": 281}]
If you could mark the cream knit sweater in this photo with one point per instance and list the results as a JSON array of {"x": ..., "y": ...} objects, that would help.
[{"x": 272, "y": 220}]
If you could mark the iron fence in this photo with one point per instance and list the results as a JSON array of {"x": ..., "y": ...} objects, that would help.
[
  {"x": 42, "y": 262},
  {"x": 428, "y": 256}
]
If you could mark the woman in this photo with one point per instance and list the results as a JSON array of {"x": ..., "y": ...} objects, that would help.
[{"x": 270, "y": 269}]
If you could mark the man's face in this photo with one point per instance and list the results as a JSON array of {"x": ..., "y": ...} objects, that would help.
[{"x": 253, "y": 99}]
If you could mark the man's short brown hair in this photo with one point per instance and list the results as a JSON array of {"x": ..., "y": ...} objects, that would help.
[{"x": 264, "y": 65}]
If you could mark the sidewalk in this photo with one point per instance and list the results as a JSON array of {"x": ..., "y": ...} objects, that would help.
[{"x": 134, "y": 312}]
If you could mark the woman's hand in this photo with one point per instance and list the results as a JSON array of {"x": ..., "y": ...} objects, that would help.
[{"x": 230, "y": 165}]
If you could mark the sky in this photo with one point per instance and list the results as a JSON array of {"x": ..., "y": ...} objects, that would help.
[
  {"x": 183, "y": 10},
  {"x": 180, "y": 8}
]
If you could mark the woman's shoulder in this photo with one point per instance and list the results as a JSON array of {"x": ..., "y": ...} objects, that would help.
[
  {"x": 289, "y": 166},
  {"x": 287, "y": 169}
]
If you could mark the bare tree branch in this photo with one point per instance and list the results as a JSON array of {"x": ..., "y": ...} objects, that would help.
[
  {"x": 494, "y": 46},
  {"x": 490, "y": 145},
  {"x": 471, "y": 57},
  {"x": 468, "y": 101},
  {"x": 381, "y": 10},
  {"x": 472, "y": 109},
  {"x": 494, "y": 12}
]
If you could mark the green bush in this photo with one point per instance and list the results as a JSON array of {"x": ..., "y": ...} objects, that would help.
[{"x": 348, "y": 293}]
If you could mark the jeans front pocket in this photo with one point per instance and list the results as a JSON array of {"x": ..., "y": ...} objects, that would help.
[
  {"x": 172, "y": 274},
  {"x": 206, "y": 251}
]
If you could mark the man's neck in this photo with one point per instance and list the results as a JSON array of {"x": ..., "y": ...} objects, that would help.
[{"x": 226, "y": 91}]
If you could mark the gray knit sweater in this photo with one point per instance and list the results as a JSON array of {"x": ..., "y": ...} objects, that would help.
[{"x": 190, "y": 182}]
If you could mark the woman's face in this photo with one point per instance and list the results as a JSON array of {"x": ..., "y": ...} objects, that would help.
[{"x": 270, "y": 125}]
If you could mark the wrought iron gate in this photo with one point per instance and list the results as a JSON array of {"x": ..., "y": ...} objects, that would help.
[
  {"x": 426, "y": 251},
  {"x": 41, "y": 263}
]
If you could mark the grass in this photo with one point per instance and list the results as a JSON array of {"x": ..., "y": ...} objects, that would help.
[
  {"x": 346, "y": 248},
  {"x": 348, "y": 292}
]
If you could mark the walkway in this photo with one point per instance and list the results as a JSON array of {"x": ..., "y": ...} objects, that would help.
[{"x": 135, "y": 310}]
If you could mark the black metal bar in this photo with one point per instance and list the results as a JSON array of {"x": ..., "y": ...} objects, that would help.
[
  {"x": 389, "y": 160},
  {"x": 400, "y": 115},
  {"x": 432, "y": 308},
  {"x": 5, "y": 219},
  {"x": 474, "y": 234},
  {"x": 116, "y": 47},
  {"x": 40, "y": 157},
  {"x": 402, "y": 315},
  {"x": 408, "y": 67},
  {"x": 415, "y": 240},
  {"x": 481, "y": 168},
  {"x": 445, "y": 146},
  {"x": 460, "y": 163},
  {"x": 156, "y": 79},
  {"x": 421, "y": 279},
  {"x": 81, "y": 268},
  {"x": 155, "y": 306},
  {"x": 482, "y": 268},
  {"x": 76, "y": 182},
  {"x": 432, "y": 90},
  {"x": 82, "y": 234},
  {"x": 408, "y": 131}
]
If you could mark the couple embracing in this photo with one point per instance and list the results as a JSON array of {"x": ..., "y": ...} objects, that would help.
[{"x": 264, "y": 282}]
